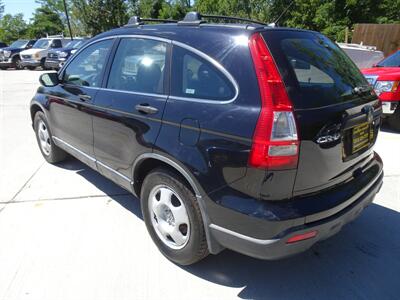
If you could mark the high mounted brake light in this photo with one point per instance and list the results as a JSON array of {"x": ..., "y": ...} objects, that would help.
[{"x": 275, "y": 142}]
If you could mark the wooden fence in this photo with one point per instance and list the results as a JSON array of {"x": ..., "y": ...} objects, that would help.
[{"x": 386, "y": 37}]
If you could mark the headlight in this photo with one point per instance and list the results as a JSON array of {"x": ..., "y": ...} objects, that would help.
[
  {"x": 7, "y": 53},
  {"x": 383, "y": 86},
  {"x": 62, "y": 54}
]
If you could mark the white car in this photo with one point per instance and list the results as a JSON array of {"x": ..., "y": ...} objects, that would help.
[
  {"x": 36, "y": 56},
  {"x": 363, "y": 56}
]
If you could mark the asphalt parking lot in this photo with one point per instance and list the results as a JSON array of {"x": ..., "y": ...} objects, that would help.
[{"x": 68, "y": 233}]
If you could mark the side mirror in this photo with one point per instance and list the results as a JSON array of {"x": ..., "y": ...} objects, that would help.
[{"x": 49, "y": 79}]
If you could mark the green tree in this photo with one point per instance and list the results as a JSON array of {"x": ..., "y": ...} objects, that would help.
[
  {"x": 1, "y": 8},
  {"x": 332, "y": 17},
  {"x": 12, "y": 28},
  {"x": 45, "y": 21},
  {"x": 174, "y": 10},
  {"x": 101, "y": 15}
]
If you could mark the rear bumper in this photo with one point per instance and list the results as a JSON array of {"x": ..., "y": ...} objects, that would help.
[
  {"x": 389, "y": 107},
  {"x": 269, "y": 238}
]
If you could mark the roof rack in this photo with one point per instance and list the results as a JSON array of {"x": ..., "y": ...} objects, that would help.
[
  {"x": 57, "y": 36},
  {"x": 136, "y": 21},
  {"x": 194, "y": 18}
]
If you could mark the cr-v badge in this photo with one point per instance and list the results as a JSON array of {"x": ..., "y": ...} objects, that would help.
[{"x": 329, "y": 134}]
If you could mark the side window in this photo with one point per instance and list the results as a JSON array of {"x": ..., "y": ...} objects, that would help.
[
  {"x": 87, "y": 66},
  {"x": 195, "y": 77},
  {"x": 138, "y": 66}
]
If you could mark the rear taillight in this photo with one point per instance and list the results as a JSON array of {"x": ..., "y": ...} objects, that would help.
[{"x": 275, "y": 141}]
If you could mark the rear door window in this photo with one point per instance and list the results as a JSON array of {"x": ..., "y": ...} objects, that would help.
[
  {"x": 315, "y": 70},
  {"x": 195, "y": 77}
]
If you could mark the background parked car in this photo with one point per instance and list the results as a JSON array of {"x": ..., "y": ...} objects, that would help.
[
  {"x": 3, "y": 45},
  {"x": 57, "y": 57},
  {"x": 385, "y": 78},
  {"x": 36, "y": 56},
  {"x": 362, "y": 56},
  {"x": 10, "y": 56}
]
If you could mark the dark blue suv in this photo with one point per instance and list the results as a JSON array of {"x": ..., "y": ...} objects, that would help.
[
  {"x": 242, "y": 136},
  {"x": 10, "y": 56},
  {"x": 57, "y": 57}
]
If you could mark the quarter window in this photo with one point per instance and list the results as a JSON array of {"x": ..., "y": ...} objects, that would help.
[
  {"x": 87, "y": 67},
  {"x": 195, "y": 77},
  {"x": 138, "y": 66}
]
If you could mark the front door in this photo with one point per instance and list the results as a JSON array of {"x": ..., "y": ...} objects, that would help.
[
  {"x": 130, "y": 106},
  {"x": 72, "y": 101}
]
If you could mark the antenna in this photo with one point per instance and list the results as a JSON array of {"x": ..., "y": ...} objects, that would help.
[{"x": 284, "y": 11}]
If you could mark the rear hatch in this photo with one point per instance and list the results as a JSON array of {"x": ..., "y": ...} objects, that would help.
[{"x": 337, "y": 113}]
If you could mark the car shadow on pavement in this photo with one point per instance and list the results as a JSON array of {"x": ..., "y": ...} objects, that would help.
[
  {"x": 386, "y": 128},
  {"x": 106, "y": 186},
  {"x": 360, "y": 262}
]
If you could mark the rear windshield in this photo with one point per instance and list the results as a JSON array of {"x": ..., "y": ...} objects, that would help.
[{"x": 315, "y": 70}]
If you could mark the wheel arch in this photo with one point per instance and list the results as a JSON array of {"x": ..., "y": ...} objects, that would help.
[
  {"x": 149, "y": 161},
  {"x": 16, "y": 55},
  {"x": 34, "y": 108}
]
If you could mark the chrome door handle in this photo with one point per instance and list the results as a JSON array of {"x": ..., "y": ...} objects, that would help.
[{"x": 146, "y": 109}]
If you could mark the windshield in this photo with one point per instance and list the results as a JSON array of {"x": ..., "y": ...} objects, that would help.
[
  {"x": 315, "y": 70},
  {"x": 74, "y": 44},
  {"x": 391, "y": 61},
  {"x": 19, "y": 44},
  {"x": 42, "y": 44}
]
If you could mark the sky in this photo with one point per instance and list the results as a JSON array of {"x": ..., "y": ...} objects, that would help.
[{"x": 27, "y": 7}]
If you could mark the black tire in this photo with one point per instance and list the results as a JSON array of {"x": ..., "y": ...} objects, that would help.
[
  {"x": 42, "y": 63},
  {"x": 394, "y": 120},
  {"x": 3, "y": 68},
  {"x": 17, "y": 63},
  {"x": 31, "y": 68},
  {"x": 195, "y": 248},
  {"x": 55, "y": 153}
]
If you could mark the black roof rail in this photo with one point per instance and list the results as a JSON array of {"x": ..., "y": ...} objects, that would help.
[
  {"x": 194, "y": 18},
  {"x": 136, "y": 21},
  {"x": 233, "y": 19}
]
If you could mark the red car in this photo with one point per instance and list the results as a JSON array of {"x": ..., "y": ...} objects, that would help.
[{"x": 385, "y": 78}]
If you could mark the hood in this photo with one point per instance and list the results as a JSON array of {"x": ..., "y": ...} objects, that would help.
[
  {"x": 12, "y": 49},
  {"x": 383, "y": 73},
  {"x": 32, "y": 51}
]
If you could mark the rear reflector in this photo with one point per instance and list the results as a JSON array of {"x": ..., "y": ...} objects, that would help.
[
  {"x": 302, "y": 237},
  {"x": 275, "y": 140}
]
